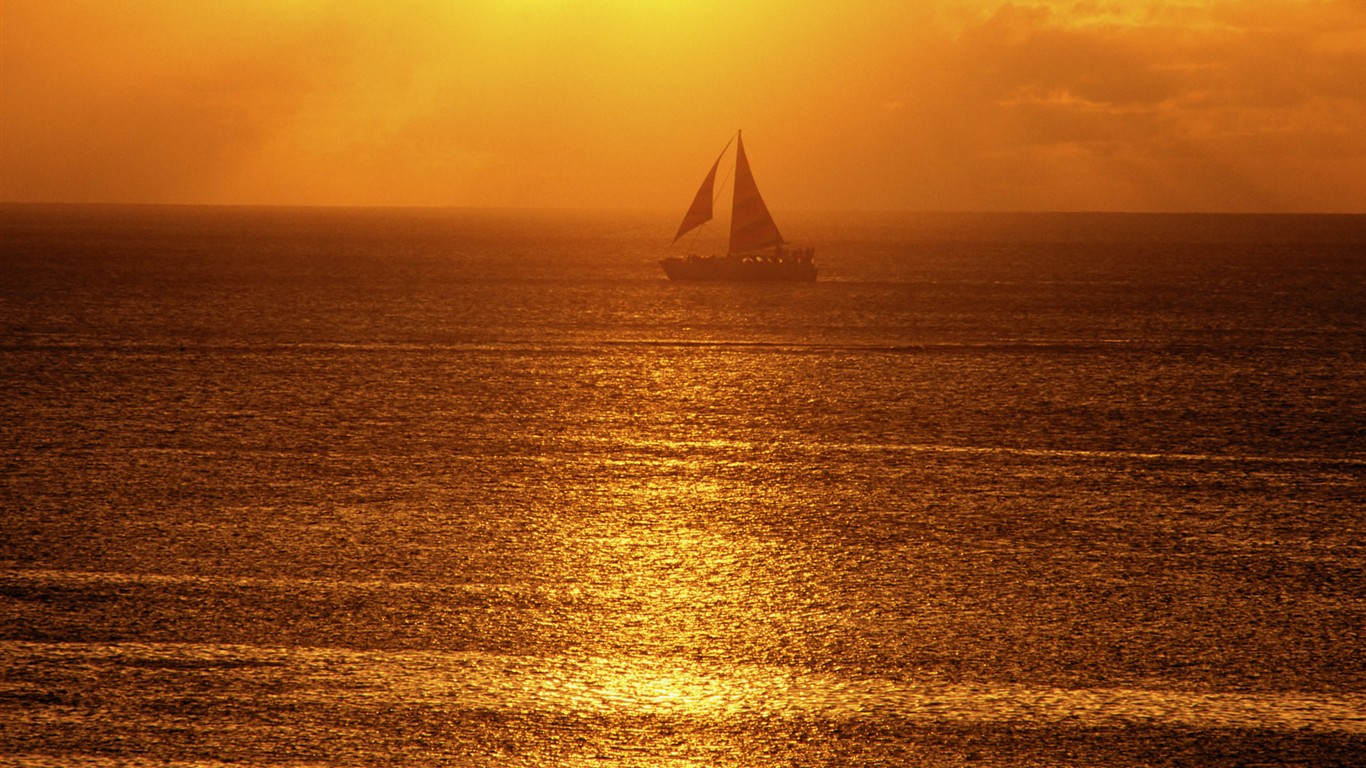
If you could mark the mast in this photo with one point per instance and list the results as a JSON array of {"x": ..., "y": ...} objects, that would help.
[{"x": 751, "y": 225}]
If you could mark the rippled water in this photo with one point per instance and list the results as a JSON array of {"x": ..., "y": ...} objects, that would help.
[{"x": 458, "y": 488}]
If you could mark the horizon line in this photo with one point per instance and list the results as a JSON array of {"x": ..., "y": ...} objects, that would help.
[{"x": 653, "y": 210}]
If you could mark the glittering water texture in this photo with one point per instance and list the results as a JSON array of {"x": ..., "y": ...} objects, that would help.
[{"x": 451, "y": 488}]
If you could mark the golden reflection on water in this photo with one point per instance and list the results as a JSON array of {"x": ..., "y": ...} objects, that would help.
[
  {"x": 633, "y": 687},
  {"x": 686, "y": 592},
  {"x": 673, "y": 580},
  {"x": 670, "y": 580}
]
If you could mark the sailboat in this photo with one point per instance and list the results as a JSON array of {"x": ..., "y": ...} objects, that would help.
[{"x": 756, "y": 250}]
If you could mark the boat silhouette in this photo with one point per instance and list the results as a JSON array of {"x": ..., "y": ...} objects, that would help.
[{"x": 756, "y": 249}]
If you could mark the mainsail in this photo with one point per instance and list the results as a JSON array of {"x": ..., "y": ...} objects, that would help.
[{"x": 751, "y": 225}]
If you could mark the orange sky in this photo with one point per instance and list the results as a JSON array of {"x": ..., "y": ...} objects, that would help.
[{"x": 1240, "y": 105}]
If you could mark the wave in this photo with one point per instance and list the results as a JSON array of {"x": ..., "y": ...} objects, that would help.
[
  {"x": 670, "y": 687},
  {"x": 828, "y": 446},
  {"x": 570, "y": 346}
]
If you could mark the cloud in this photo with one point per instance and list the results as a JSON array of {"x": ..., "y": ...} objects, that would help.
[
  {"x": 1230, "y": 105},
  {"x": 100, "y": 105}
]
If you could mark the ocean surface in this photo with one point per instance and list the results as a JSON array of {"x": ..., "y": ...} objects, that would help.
[{"x": 292, "y": 487}]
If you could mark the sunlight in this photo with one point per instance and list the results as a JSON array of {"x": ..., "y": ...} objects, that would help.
[{"x": 553, "y": 103}]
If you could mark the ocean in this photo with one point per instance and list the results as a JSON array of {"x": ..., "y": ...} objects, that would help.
[{"x": 365, "y": 487}]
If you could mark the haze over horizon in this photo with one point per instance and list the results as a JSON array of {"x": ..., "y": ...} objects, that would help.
[{"x": 970, "y": 105}]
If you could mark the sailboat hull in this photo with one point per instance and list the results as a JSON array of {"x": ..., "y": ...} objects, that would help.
[{"x": 733, "y": 270}]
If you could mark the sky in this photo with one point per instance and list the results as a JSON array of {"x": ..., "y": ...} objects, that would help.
[{"x": 1235, "y": 105}]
